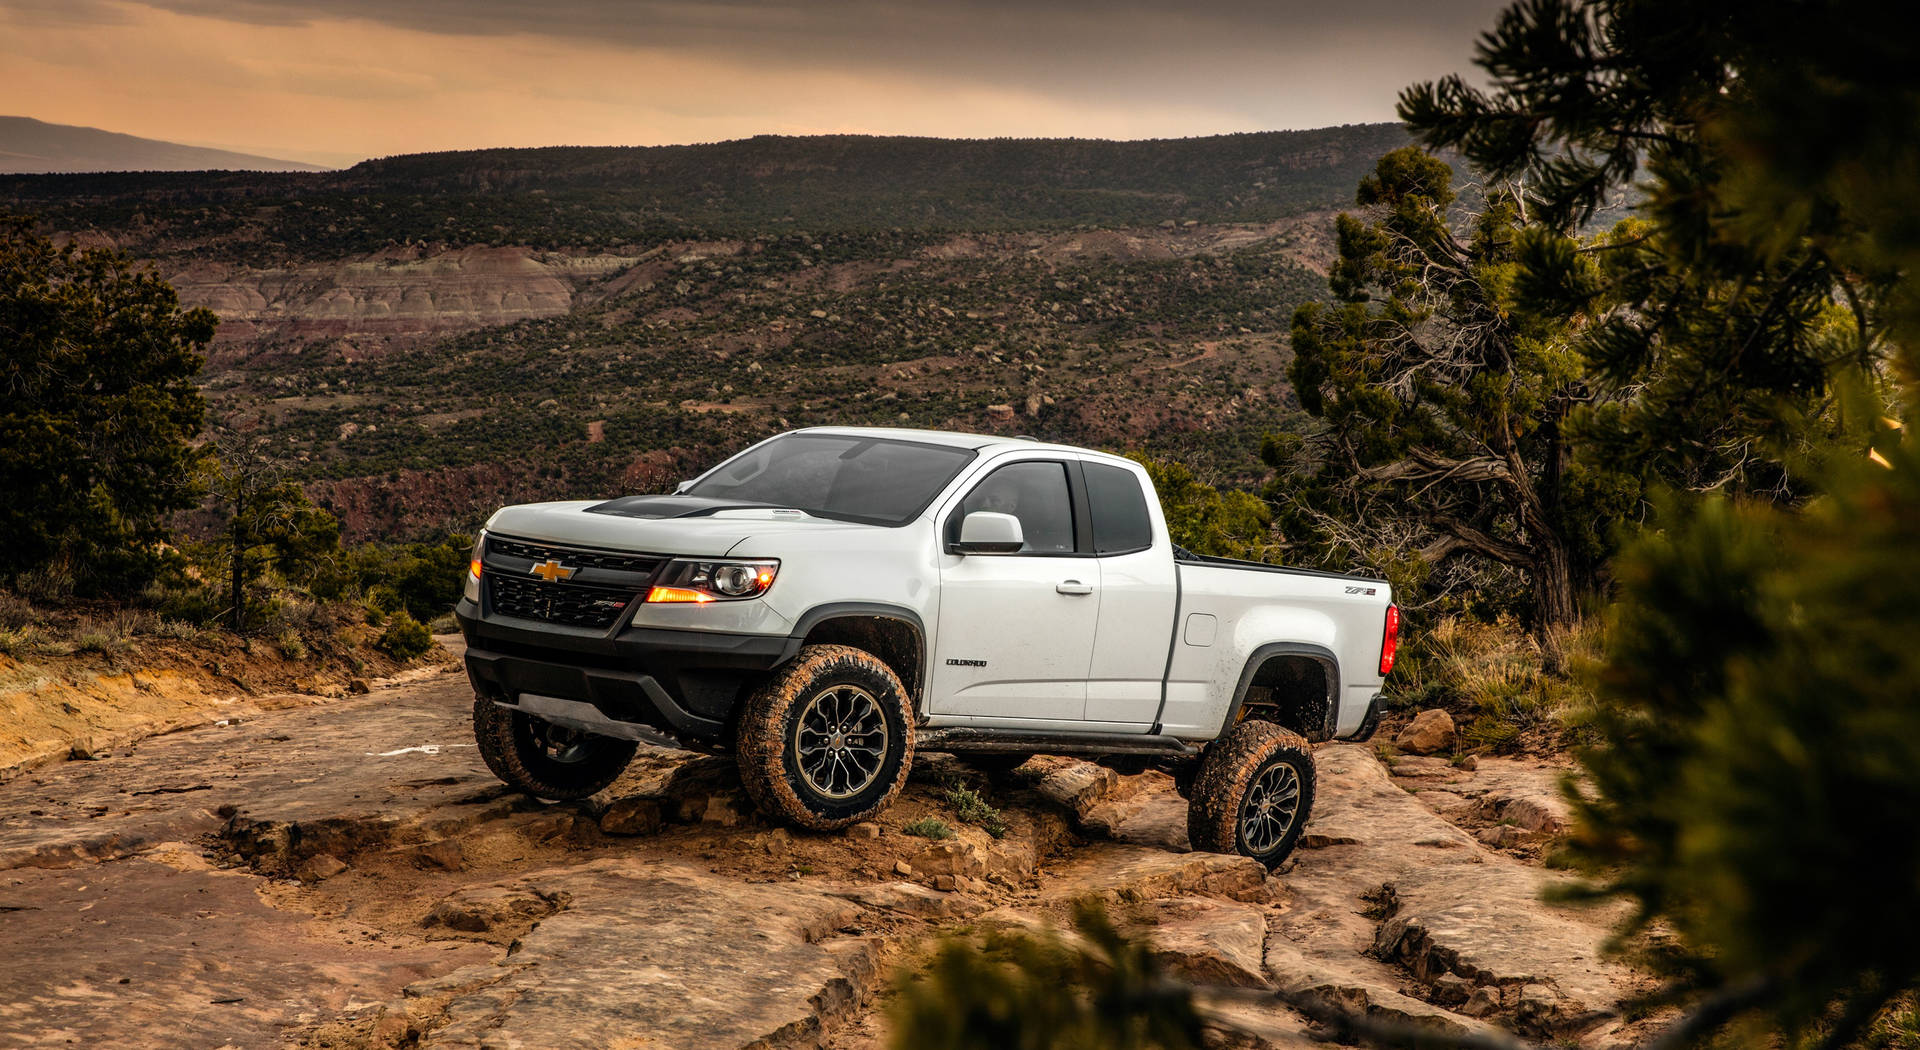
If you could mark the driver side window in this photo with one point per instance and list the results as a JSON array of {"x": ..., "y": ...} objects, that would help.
[{"x": 1036, "y": 493}]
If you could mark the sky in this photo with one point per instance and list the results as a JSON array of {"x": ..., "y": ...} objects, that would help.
[{"x": 334, "y": 81}]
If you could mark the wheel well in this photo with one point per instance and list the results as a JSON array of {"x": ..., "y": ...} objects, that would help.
[
  {"x": 896, "y": 642},
  {"x": 1295, "y": 691}
]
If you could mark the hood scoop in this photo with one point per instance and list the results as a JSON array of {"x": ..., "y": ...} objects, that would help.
[{"x": 670, "y": 506}]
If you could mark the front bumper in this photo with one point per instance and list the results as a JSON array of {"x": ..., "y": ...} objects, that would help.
[{"x": 684, "y": 683}]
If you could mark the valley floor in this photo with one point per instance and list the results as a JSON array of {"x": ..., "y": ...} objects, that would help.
[{"x": 352, "y": 876}]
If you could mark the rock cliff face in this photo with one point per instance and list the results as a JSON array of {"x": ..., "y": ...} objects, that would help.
[{"x": 402, "y": 293}]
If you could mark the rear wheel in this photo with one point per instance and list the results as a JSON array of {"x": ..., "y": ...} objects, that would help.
[
  {"x": 827, "y": 741},
  {"x": 545, "y": 760},
  {"x": 1253, "y": 793}
]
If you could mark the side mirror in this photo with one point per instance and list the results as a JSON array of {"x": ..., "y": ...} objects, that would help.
[
  {"x": 681, "y": 486},
  {"x": 985, "y": 532}
]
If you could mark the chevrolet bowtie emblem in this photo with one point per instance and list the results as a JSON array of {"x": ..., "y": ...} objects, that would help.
[{"x": 551, "y": 570}]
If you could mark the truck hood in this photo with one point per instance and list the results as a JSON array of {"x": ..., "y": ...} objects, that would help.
[{"x": 654, "y": 524}]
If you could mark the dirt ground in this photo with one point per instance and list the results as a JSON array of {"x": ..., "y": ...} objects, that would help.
[{"x": 350, "y": 875}]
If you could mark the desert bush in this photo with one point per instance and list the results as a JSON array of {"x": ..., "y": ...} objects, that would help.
[
  {"x": 49, "y": 583},
  {"x": 404, "y": 638},
  {"x": 100, "y": 637},
  {"x": 16, "y": 612},
  {"x": 131, "y": 622},
  {"x": 185, "y": 603},
  {"x": 929, "y": 828},
  {"x": 177, "y": 630},
  {"x": 1495, "y": 677},
  {"x": 970, "y": 808}
]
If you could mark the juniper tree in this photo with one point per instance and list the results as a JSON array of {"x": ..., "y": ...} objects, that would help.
[
  {"x": 1772, "y": 144},
  {"x": 97, "y": 410},
  {"x": 1443, "y": 395}
]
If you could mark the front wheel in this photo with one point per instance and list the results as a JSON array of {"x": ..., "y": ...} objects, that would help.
[
  {"x": 545, "y": 760},
  {"x": 827, "y": 741},
  {"x": 1253, "y": 793}
]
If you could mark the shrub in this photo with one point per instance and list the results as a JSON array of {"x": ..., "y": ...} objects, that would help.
[
  {"x": 972, "y": 809},
  {"x": 405, "y": 638},
  {"x": 189, "y": 604},
  {"x": 929, "y": 828},
  {"x": 16, "y": 613},
  {"x": 1494, "y": 676},
  {"x": 1757, "y": 793}
]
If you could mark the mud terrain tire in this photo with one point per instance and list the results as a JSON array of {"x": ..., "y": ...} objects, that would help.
[
  {"x": 542, "y": 759},
  {"x": 1247, "y": 781},
  {"x": 828, "y": 740}
]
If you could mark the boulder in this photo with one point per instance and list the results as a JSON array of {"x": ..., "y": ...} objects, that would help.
[{"x": 1430, "y": 731}]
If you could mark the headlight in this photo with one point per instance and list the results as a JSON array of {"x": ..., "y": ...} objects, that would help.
[
  {"x": 691, "y": 580},
  {"x": 472, "y": 588}
]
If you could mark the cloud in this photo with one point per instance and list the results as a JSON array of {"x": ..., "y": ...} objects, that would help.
[
  {"x": 380, "y": 77},
  {"x": 1075, "y": 48}
]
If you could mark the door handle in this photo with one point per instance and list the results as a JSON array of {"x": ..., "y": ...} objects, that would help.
[{"x": 1073, "y": 587}]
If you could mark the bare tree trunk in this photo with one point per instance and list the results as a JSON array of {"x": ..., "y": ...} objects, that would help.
[
  {"x": 1555, "y": 610},
  {"x": 239, "y": 585}
]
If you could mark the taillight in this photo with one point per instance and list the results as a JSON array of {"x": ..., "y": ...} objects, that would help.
[{"x": 1390, "y": 640}]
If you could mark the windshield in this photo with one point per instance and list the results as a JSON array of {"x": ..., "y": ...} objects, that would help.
[{"x": 877, "y": 481}]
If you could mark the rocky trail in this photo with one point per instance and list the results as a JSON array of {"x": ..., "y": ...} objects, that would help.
[{"x": 350, "y": 875}]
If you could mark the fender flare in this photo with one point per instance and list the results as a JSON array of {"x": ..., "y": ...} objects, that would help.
[
  {"x": 1261, "y": 655},
  {"x": 819, "y": 614}
]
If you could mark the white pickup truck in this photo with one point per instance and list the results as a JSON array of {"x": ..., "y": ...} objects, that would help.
[{"x": 828, "y": 601}]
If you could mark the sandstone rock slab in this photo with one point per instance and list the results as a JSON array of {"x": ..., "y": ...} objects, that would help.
[{"x": 673, "y": 952}]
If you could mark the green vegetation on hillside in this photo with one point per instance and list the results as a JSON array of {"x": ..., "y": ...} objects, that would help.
[
  {"x": 588, "y": 197},
  {"x": 721, "y": 346}
]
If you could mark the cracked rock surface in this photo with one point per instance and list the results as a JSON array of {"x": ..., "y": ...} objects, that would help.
[{"x": 350, "y": 876}]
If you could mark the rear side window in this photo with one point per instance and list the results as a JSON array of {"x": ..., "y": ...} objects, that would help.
[
  {"x": 1120, "y": 520},
  {"x": 1036, "y": 493}
]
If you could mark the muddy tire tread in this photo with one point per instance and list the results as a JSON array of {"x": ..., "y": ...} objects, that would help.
[
  {"x": 1213, "y": 809},
  {"x": 760, "y": 746},
  {"x": 493, "y": 730}
]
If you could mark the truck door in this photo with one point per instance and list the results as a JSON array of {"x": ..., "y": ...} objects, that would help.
[
  {"x": 1138, "y": 594},
  {"x": 1016, "y": 630}
]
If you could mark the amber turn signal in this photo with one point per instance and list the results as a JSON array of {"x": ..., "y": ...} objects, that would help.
[{"x": 678, "y": 594}]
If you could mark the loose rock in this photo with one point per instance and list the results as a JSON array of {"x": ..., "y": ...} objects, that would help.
[
  {"x": 1431, "y": 731},
  {"x": 320, "y": 868}
]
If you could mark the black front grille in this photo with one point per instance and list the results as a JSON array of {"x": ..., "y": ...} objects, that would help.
[
  {"x": 644, "y": 564},
  {"x": 570, "y": 604}
]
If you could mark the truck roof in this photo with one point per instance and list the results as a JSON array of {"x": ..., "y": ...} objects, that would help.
[{"x": 977, "y": 442}]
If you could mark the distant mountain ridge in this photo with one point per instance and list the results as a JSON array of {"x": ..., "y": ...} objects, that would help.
[
  {"x": 609, "y": 197},
  {"x": 29, "y": 146}
]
